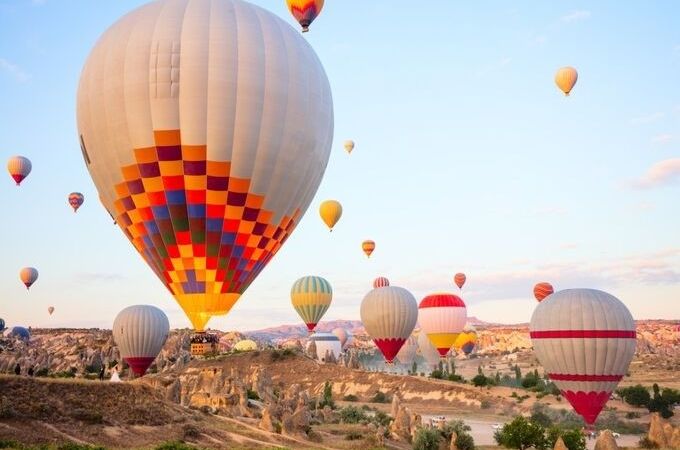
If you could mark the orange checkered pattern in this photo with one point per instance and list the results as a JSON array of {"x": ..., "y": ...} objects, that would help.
[{"x": 198, "y": 228}]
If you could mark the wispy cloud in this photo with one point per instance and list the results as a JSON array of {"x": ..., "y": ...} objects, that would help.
[
  {"x": 649, "y": 118},
  {"x": 664, "y": 138},
  {"x": 575, "y": 16},
  {"x": 14, "y": 70},
  {"x": 660, "y": 174}
]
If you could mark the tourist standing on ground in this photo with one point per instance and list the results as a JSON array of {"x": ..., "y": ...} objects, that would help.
[{"x": 101, "y": 373}]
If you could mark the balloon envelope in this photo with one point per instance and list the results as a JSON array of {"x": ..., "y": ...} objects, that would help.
[
  {"x": 368, "y": 246},
  {"x": 467, "y": 340},
  {"x": 305, "y": 11},
  {"x": 407, "y": 352},
  {"x": 459, "y": 279},
  {"x": 76, "y": 199},
  {"x": 206, "y": 126},
  {"x": 245, "y": 345},
  {"x": 427, "y": 350},
  {"x": 341, "y": 334},
  {"x": 20, "y": 333},
  {"x": 28, "y": 276},
  {"x": 140, "y": 331},
  {"x": 50, "y": 310},
  {"x": 311, "y": 297},
  {"x": 442, "y": 317},
  {"x": 380, "y": 282},
  {"x": 585, "y": 340},
  {"x": 349, "y": 146},
  {"x": 542, "y": 290},
  {"x": 19, "y": 167},
  {"x": 2, "y": 325},
  {"x": 389, "y": 315},
  {"x": 330, "y": 212},
  {"x": 566, "y": 78}
]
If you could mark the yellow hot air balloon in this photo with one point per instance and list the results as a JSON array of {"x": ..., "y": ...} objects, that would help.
[
  {"x": 305, "y": 11},
  {"x": 206, "y": 126},
  {"x": 565, "y": 78},
  {"x": 349, "y": 146},
  {"x": 311, "y": 297},
  {"x": 368, "y": 246},
  {"x": 330, "y": 212}
]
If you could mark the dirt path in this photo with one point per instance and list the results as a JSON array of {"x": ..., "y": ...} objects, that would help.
[{"x": 66, "y": 435}]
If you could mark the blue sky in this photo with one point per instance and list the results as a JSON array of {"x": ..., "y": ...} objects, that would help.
[{"x": 467, "y": 159}]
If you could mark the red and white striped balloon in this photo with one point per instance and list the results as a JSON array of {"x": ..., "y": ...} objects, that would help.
[
  {"x": 585, "y": 340},
  {"x": 542, "y": 290},
  {"x": 380, "y": 282}
]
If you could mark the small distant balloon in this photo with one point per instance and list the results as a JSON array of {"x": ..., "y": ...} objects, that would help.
[
  {"x": 50, "y": 310},
  {"x": 76, "y": 200},
  {"x": 565, "y": 78},
  {"x": 341, "y": 334},
  {"x": 305, "y": 11},
  {"x": 2, "y": 325},
  {"x": 330, "y": 212},
  {"x": 349, "y": 146},
  {"x": 542, "y": 290},
  {"x": 380, "y": 282},
  {"x": 368, "y": 246},
  {"x": 28, "y": 276},
  {"x": 460, "y": 279},
  {"x": 19, "y": 167}
]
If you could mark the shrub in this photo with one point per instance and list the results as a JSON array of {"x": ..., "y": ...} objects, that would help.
[
  {"x": 610, "y": 421},
  {"x": 87, "y": 416},
  {"x": 381, "y": 418},
  {"x": 174, "y": 445},
  {"x": 573, "y": 438},
  {"x": 380, "y": 397},
  {"x": 354, "y": 436},
  {"x": 427, "y": 439},
  {"x": 351, "y": 398},
  {"x": 352, "y": 414},
  {"x": 637, "y": 395},
  {"x": 632, "y": 415},
  {"x": 42, "y": 372},
  {"x": 480, "y": 380},
  {"x": 485, "y": 404},
  {"x": 456, "y": 378},
  {"x": 74, "y": 446},
  {"x": 540, "y": 415},
  {"x": 9, "y": 444},
  {"x": 6, "y": 409},
  {"x": 327, "y": 399},
  {"x": 252, "y": 395},
  {"x": 644, "y": 442},
  {"x": 465, "y": 442},
  {"x": 191, "y": 431}
]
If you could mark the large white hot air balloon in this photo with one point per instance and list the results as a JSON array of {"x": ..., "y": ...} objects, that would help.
[
  {"x": 428, "y": 351},
  {"x": 140, "y": 331},
  {"x": 206, "y": 126},
  {"x": 389, "y": 315},
  {"x": 585, "y": 340},
  {"x": 407, "y": 353},
  {"x": 326, "y": 344},
  {"x": 442, "y": 317}
]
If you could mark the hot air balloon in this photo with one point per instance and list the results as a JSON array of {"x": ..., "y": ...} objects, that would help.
[
  {"x": 430, "y": 354},
  {"x": 245, "y": 345},
  {"x": 585, "y": 340},
  {"x": 326, "y": 344},
  {"x": 28, "y": 276},
  {"x": 380, "y": 282},
  {"x": 19, "y": 167},
  {"x": 330, "y": 212},
  {"x": 140, "y": 331},
  {"x": 459, "y": 279},
  {"x": 305, "y": 11},
  {"x": 389, "y": 315},
  {"x": 349, "y": 146},
  {"x": 341, "y": 334},
  {"x": 50, "y": 310},
  {"x": 311, "y": 296},
  {"x": 206, "y": 141},
  {"x": 19, "y": 333},
  {"x": 407, "y": 353},
  {"x": 542, "y": 290},
  {"x": 442, "y": 317},
  {"x": 467, "y": 340},
  {"x": 2, "y": 325},
  {"x": 565, "y": 78},
  {"x": 76, "y": 199},
  {"x": 368, "y": 246}
]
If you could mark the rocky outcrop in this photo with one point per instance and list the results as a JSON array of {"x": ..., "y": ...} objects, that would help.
[
  {"x": 606, "y": 441},
  {"x": 559, "y": 444},
  {"x": 406, "y": 423},
  {"x": 310, "y": 351},
  {"x": 656, "y": 433},
  {"x": 454, "y": 438}
]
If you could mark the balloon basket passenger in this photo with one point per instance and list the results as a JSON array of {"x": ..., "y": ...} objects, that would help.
[{"x": 203, "y": 343}]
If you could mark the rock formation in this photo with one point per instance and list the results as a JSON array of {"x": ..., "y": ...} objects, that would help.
[
  {"x": 559, "y": 444},
  {"x": 606, "y": 441}
]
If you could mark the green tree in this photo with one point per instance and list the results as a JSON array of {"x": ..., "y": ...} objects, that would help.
[
  {"x": 637, "y": 395},
  {"x": 573, "y": 438},
  {"x": 480, "y": 380},
  {"x": 521, "y": 434},
  {"x": 327, "y": 398},
  {"x": 518, "y": 374},
  {"x": 529, "y": 381},
  {"x": 427, "y": 439},
  {"x": 464, "y": 440},
  {"x": 352, "y": 414},
  {"x": 539, "y": 415},
  {"x": 414, "y": 368},
  {"x": 659, "y": 404}
]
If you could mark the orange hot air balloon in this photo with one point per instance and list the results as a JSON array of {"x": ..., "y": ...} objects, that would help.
[
  {"x": 368, "y": 246},
  {"x": 305, "y": 11},
  {"x": 542, "y": 290},
  {"x": 19, "y": 167},
  {"x": 459, "y": 279},
  {"x": 565, "y": 79}
]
